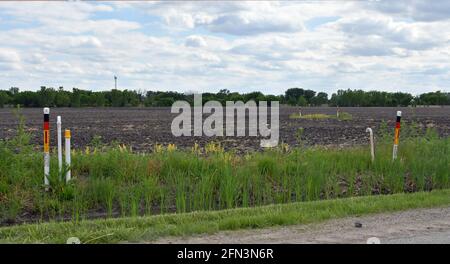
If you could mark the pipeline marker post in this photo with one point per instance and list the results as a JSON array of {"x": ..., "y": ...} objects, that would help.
[
  {"x": 372, "y": 147},
  {"x": 67, "y": 149},
  {"x": 396, "y": 135},
  {"x": 300, "y": 112},
  {"x": 58, "y": 131},
  {"x": 46, "y": 146},
  {"x": 337, "y": 112}
]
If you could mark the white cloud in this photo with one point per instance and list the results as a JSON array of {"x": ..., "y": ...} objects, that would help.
[
  {"x": 9, "y": 55},
  {"x": 195, "y": 41},
  {"x": 383, "y": 31},
  {"x": 420, "y": 10},
  {"x": 37, "y": 58},
  {"x": 44, "y": 11},
  {"x": 252, "y": 24},
  {"x": 9, "y": 60},
  {"x": 244, "y": 46}
]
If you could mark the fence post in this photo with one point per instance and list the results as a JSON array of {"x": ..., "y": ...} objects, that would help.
[
  {"x": 67, "y": 149},
  {"x": 372, "y": 147},
  {"x": 396, "y": 135},
  {"x": 58, "y": 131},
  {"x": 46, "y": 147}
]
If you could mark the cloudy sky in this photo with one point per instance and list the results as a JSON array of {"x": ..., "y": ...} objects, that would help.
[{"x": 240, "y": 46}]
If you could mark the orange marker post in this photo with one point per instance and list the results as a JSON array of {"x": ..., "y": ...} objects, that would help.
[
  {"x": 46, "y": 146},
  {"x": 396, "y": 135},
  {"x": 67, "y": 149}
]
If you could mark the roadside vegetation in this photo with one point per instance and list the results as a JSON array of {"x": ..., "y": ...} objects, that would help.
[
  {"x": 114, "y": 181},
  {"x": 149, "y": 228}
]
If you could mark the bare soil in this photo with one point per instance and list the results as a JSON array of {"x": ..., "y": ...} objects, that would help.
[{"x": 142, "y": 128}]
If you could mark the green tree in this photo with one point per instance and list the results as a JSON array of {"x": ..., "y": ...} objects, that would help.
[
  {"x": 292, "y": 95},
  {"x": 100, "y": 99},
  {"x": 75, "y": 100},
  {"x": 62, "y": 98},
  {"x": 46, "y": 96},
  {"x": 320, "y": 99},
  {"x": 116, "y": 98},
  {"x": 302, "y": 101},
  {"x": 309, "y": 94},
  {"x": 4, "y": 98}
]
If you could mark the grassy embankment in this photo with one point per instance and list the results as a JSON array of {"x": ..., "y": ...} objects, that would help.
[
  {"x": 148, "y": 228},
  {"x": 113, "y": 181}
]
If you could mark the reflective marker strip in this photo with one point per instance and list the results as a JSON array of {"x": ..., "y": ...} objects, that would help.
[
  {"x": 397, "y": 129},
  {"x": 67, "y": 149},
  {"x": 46, "y": 133}
]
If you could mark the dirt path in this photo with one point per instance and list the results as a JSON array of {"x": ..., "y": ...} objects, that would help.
[{"x": 414, "y": 226}]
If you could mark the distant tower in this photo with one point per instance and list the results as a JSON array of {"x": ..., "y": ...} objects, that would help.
[{"x": 115, "y": 82}]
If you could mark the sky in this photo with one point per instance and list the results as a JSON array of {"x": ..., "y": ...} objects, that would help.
[{"x": 240, "y": 46}]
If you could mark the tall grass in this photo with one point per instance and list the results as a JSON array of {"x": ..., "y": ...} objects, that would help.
[
  {"x": 115, "y": 181},
  {"x": 341, "y": 116}
]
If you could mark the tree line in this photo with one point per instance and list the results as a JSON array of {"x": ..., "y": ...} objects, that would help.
[{"x": 51, "y": 97}]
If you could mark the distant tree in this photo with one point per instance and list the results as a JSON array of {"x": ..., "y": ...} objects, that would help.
[
  {"x": 14, "y": 90},
  {"x": 130, "y": 98},
  {"x": 255, "y": 96},
  {"x": 47, "y": 96},
  {"x": 99, "y": 99},
  {"x": 302, "y": 101},
  {"x": 292, "y": 95},
  {"x": 294, "y": 92},
  {"x": 235, "y": 97},
  {"x": 75, "y": 100},
  {"x": 333, "y": 100},
  {"x": 26, "y": 99},
  {"x": 309, "y": 94},
  {"x": 320, "y": 99},
  {"x": 4, "y": 98},
  {"x": 62, "y": 98},
  {"x": 166, "y": 101},
  {"x": 434, "y": 98},
  {"x": 371, "y": 98},
  {"x": 401, "y": 99},
  {"x": 116, "y": 98}
]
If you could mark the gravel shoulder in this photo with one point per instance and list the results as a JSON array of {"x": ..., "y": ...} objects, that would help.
[{"x": 412, "y": 226}]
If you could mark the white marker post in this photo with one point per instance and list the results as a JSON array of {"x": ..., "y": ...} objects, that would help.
[
  {"x": 300, "y": 112},
  {"x": 372, "y": 147},
  {"x": 46, "y": 147},
  {"x": 397, "y": 135},
  {"x": 58, "y": 131},
  {"x": 67, "y": 149}
]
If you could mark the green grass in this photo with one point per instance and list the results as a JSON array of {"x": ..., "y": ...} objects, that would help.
[
  {"x": 114, "y": 181},
  {"x": 342, "y": 116},
  {"x": 135, "y": 229}
]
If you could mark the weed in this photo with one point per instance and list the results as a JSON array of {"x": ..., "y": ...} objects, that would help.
[
  {"x": 116, "y": 179},
  {"x": 342, "y": 116}
]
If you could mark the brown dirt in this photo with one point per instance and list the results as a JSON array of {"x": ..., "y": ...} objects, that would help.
[{"x": 143, "y": 127}]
